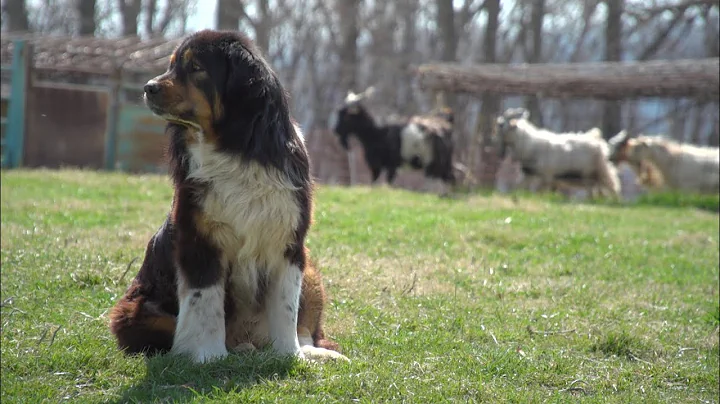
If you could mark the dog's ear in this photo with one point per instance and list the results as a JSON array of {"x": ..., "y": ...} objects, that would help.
[
  {"x": 258, "y": 101},
  {"x": 245, "y": 74}
]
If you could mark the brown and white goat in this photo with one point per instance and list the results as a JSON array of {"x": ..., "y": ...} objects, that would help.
[{"x": 683, "y": 166}]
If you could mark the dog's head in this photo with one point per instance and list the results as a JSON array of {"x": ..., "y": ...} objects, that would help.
[{"x": 218, "y": 84}]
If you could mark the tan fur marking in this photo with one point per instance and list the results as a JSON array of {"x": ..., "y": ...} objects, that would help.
[
  {"x": 312, "y": 300},
  {"x": 218, "y": 107},
  {"x": 435, "y": 124},
  {"x": 203, "y": 111},
  {"x": 187, "y": 57},
  {"x": 163, "y": 324}
]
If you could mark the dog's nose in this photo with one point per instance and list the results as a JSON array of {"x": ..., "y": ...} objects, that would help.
[{"x": 152, "y": 87}]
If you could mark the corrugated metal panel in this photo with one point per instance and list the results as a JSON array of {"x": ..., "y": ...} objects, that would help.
[
  {"x": 141, "y": 140},
  {"x": 65, "y": 127}
]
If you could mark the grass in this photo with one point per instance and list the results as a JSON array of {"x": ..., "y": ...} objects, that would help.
[{"x": 479, "y": 299}]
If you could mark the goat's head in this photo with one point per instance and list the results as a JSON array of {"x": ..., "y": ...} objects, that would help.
[
  {"x": 505, "y": 127},
  {"x": 352, "y": 117},
  {"x": 638, "y": 151},
  {"x": 445, "y": 113},
  {"x": 620, "y": 147}
]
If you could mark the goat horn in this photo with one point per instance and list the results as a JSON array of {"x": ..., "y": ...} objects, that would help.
[
  {"x": 368, "y": 92},
  {"x": 621, "y": 137}
]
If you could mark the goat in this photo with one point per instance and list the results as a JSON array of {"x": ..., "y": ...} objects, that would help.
[
  {"x": 421, "y": 142},
  {"x": 557, "y": 159},
  {"x": 682, "y": 166}
]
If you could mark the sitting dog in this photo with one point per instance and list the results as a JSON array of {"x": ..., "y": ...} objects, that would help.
[{"x": 228, "y": 269}]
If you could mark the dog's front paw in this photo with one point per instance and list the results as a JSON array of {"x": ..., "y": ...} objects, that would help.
[
  {"x": 203, "y": 354},
  {"x": 245, "y": 347},
  {"x": 316, "y": 354}
]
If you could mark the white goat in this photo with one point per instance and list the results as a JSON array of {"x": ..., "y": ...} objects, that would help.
[
  {"x": 683, "y": 166},
  {"x": 571, "y": 157}
]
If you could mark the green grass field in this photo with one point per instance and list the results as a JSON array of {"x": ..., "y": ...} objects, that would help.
[{"x": 477, "y": 299}]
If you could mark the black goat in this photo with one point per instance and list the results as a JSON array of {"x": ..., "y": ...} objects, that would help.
[{"x": 422, "y": 142}]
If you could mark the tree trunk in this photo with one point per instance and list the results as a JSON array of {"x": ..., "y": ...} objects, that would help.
[
  {"x": 150, "y": 11},
  {"x": 532, "y": 102},
  {"x": 692, "y": 78},
  {"x": 263, "y": 27},
  {"x": 17, "y": 15},
  {"x": 348, "y": 11},
  {"x": 712, "y": 43},
  {"x": 446, "y": 28},
  {"x": 612, "y": 118},
  {"x": 448, "y": 38},
  {"x": 714, "y": 140},
  {"x": 129, "y": 11},
  {"x": 409, "y": 10},
  {"x": 227, "y": 15},
  {"x": 490, "y": 102},
  {"x": 86, "y": 12}
]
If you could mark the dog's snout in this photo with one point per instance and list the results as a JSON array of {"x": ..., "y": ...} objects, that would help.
[{"x": 152, "y": 87}]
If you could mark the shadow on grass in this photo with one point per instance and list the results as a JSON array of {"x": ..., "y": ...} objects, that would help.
[{"x": 175, "y": 379}]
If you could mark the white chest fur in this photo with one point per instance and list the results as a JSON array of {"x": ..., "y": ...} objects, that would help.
[{"x": 251, "y": 211}]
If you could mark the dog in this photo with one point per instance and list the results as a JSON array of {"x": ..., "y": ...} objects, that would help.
[{"x": 228, "y": 269}]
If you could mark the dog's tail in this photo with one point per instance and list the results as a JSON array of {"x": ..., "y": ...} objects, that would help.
[{"x": 141, "y": 328}]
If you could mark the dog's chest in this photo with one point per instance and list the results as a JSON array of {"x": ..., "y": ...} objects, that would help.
[{"x": 250, "y": 210}]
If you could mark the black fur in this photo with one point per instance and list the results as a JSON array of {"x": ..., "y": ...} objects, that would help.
[
  {"x": 382, "y": 143},
  {"x": 249, "y": 117}
]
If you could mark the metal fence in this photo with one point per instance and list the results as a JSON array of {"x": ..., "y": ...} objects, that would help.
[{"x": 60, "y": 110}]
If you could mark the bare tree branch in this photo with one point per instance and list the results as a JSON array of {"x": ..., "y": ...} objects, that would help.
[
  {"x": 588, "y": 11},
  {"x": 171, "y": 10},
  {"x": 150, "y": 9},
  {"x": 661, "y": 36},
  {"x": 244, "y": 14},
  {"x": 468, "y": 11},
  {"x": 651, "y": 12}
]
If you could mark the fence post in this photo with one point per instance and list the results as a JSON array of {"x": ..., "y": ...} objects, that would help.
[
  {"x": 15, "y": 136},
  {"x": 113, "y": 111}
]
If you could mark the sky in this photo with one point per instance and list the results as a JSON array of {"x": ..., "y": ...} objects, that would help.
[{"x": 204, "y": 16}]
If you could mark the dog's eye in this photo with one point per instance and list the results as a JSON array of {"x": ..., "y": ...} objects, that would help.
[{"x": 194, "y": 67}]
